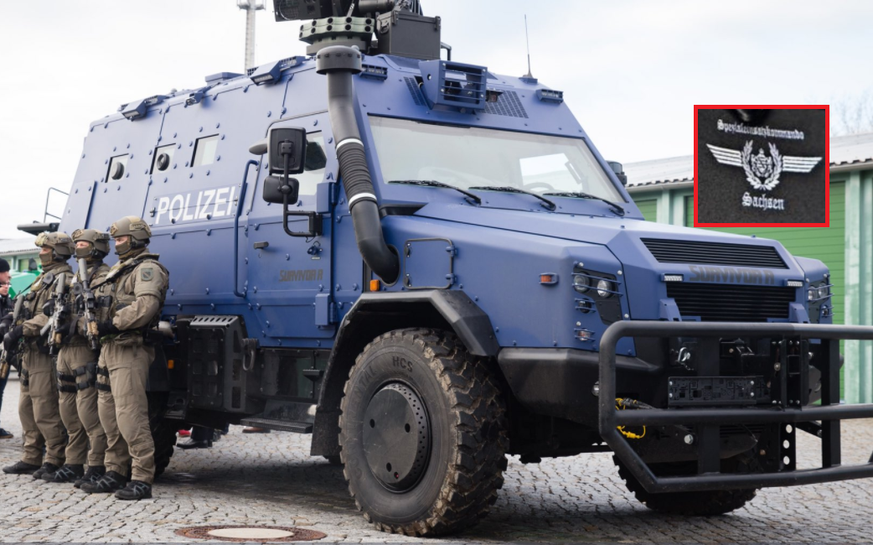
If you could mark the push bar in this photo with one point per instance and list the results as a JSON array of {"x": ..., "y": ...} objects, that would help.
[{"x": 708, "y": 478}]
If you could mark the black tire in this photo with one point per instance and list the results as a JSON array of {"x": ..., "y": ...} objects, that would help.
[
  {"x": 703, "y": 503},
  {"x": 163, "y": 431},
  {"x": 164, "y": 435},
  {"x": 333, "y": 459},
  {"x": 465, "y": 462}
]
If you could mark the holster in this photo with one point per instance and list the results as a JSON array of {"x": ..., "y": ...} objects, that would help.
[{"x": 86, "y": 375}]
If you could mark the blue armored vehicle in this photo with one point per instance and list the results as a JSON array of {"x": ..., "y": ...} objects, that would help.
[{"x": 429, "y": 266}]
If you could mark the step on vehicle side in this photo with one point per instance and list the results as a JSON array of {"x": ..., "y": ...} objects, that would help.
[{"x": 429, "y": 266}]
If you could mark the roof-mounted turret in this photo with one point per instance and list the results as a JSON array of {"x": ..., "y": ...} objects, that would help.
[{"x": 399, "y": 25}]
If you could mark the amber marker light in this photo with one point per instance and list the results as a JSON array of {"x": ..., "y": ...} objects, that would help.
[
  {"x": 548, "y": 278},
  {"x": 375, "y": 285}
]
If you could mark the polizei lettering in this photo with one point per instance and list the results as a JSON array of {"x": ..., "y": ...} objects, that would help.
[
  {"x": 732, "y": 275},
  {"x": 203, "y": 205}
]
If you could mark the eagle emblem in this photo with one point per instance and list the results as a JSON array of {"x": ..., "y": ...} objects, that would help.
[{"x": 763, "y": 171}]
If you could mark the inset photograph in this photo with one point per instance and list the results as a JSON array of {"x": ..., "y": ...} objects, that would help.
[{"x": 757, "y": 166}]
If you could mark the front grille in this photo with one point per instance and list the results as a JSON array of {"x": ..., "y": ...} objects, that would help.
[
  {"x": 714, "y": 253},
  {"x": 731, "y": 303}
]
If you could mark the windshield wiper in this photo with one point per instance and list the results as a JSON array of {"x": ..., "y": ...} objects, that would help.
[
  {"x": 582, "y": 195},
  {"x": 509, "y": 189},
  {"x": 434, "y": 183}
]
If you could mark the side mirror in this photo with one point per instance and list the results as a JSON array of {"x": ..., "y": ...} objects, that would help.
[
  {"x": 276, "y": 191},
  {"x": 287, "y": 144}
]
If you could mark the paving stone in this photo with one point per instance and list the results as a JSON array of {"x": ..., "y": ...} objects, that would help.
[{"x": 270, "y": 480}]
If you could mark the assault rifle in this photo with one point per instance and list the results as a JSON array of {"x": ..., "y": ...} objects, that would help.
[
  {"x": 88, "y": 303},
  {"x": 55, "y": 326},
  {"x": 7, "y": 358}
]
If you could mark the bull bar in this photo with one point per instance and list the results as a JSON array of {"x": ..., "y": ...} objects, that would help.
[{"x": 709, "y": 419}]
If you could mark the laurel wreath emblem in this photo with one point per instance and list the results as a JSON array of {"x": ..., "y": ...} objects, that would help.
[{"x": 773, "y": 179}]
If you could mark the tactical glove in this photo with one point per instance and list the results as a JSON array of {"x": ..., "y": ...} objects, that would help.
[
  {"x": 11, "y": 338},
  {"x": 49, "y": 307},
  {"x": 106, "y": 328}
]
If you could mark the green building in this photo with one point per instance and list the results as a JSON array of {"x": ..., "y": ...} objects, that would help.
[
  {"x": 664, "y": 191},
  {"x": 19, "y": 252}
]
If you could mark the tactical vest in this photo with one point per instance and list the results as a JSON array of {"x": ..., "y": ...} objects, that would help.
[
  {"x": 94, "y": 276},
  {"x": 116, "y": 291},
  {"x": 38, "y": 295}
]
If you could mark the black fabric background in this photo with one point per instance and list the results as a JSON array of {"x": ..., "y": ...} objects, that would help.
[{"x": 720, "y": 188}]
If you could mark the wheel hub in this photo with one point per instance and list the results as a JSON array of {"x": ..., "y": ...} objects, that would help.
[{"x": 396, "y": 436}]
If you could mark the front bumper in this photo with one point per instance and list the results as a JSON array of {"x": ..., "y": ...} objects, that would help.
[{"x": 707, "y": 421}]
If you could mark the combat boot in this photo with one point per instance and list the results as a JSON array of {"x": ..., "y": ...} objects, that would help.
[
  {"x": 46, "y": 468},
  {"x": 110, "y": 482},
  {"x": 135, "y": 490},
  {"x": 91, "y": 476},
  {"x": 66, "y": 474},
  {"x": 20, "y": 468}
]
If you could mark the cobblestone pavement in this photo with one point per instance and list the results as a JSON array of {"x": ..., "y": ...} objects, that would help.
[{"x": 270, "y": 480}]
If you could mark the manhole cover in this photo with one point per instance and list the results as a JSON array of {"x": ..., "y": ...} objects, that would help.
[{"x": 250, "y": 533}]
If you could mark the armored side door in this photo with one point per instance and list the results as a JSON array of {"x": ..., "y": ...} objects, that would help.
[{"x": 287, "y": 278}]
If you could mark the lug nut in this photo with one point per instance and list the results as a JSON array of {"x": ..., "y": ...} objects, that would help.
[{"x": 689, "y": 439}]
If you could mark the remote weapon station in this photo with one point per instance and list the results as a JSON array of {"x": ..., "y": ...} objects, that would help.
[{"x": 428, "y": 266}]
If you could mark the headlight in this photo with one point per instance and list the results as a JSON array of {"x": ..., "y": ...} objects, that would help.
[
  {"x": 605, "y": 288},
  {"x": 810, "y": 295},
  {"x": 581, "y": 283},
  {"x": 822, "y": 292}
]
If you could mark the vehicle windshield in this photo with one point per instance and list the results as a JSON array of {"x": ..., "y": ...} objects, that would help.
[{"x": 468, "y": 157}]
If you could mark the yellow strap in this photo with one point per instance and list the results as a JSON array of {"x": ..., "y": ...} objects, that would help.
[{"x": 621, "y": 430}]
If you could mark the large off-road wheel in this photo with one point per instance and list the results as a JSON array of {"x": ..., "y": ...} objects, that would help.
[
  {"x": 703, "y": 503},
  {"x": 163, "y": 431},
  {"x": 422, "y": 434}
]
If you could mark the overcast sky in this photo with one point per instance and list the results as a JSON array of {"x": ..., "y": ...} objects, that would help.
[{"x": 631, "y": 71}]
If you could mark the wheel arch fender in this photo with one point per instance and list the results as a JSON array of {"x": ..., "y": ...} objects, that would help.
[{"x": 376, "y": 313}]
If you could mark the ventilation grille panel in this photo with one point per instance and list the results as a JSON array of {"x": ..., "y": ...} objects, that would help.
[
  {"x": 731, "y": 303},
  {"x": 507, "y": 104},
  {"x": 415, "y": 91},
  {"x": 714, "y": 253}
]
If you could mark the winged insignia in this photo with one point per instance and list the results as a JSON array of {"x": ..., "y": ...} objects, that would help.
[{"x": 763, "y": 171}]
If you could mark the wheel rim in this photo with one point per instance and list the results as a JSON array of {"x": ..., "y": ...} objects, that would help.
[{"x": 396, "y": 437}]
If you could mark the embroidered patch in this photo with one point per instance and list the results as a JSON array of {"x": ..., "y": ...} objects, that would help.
[
  {"x": 763, "y": 172},
  {"x": 147, "y": 274}
]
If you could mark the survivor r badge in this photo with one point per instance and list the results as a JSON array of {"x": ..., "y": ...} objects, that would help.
[{"x": 757, "y": 166}]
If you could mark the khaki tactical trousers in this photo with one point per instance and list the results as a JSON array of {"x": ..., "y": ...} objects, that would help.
[
  {"x": 78, "y": 404},
  {"x": 128, "y": 368},
  {"x": 38, "y": 410}
]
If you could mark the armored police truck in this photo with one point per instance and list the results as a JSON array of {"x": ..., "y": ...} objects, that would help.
[{"x": 428, "y": 266}]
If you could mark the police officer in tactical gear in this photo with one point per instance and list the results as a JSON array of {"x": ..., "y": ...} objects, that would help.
[
  {"x": 137, "y": 285},
  {"x": 77, "y": 376},
  {"x": 38, "y": 404}
]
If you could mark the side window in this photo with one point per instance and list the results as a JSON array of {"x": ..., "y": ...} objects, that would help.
[
  {"x": 204, "y": 151},
  {"x": 313, "y": 169},
  {"x": 117, "y": 168},
  {"x": 163, "y": 158}
]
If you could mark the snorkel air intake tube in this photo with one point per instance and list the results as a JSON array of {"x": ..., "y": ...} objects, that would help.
[{"x": 340, "y": 63}]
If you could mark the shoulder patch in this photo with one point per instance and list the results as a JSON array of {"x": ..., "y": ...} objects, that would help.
[{"x": 146, "y": 274}]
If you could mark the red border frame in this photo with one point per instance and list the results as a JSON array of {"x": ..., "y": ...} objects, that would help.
[{"x": 827, "y": 221}]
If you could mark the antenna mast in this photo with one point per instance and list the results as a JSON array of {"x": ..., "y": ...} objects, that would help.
[{"x": 527, "y": 42}]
